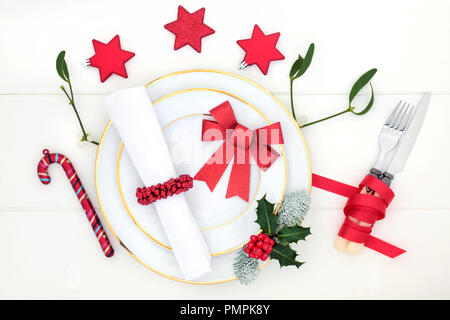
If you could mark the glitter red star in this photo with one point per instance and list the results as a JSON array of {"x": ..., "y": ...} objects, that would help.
[
  {"x": 110, "y": 58},
  {"x": 261, "y": 49},
  {"x": 189, "y": 29}
]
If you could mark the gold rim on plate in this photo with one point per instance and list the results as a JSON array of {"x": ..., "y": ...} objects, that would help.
[
  {"x": 166, "y": 246},
  {"x": 175, "y": 74}
]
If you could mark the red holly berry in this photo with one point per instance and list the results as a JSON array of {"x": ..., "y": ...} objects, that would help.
[
  {"x": 257, "y": 252},
  {"x": 259, "y": 246}
]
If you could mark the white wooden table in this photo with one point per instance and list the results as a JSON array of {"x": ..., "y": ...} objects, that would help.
[{"x": 46, "y": 246}]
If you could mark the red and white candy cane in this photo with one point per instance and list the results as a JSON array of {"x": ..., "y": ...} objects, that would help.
[{"x": 74, "y": 180}]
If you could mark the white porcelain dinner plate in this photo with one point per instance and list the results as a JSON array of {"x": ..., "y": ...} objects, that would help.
[
  {"x": 226, "y": 224},
  {"x": 181, "y": 100}
]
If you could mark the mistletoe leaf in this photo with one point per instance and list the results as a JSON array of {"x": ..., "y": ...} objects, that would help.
[
  {"x": 266, "y": 219},
  {"x": 369, "y": 105},
  {"x": 61, "y": 66},
  {"x": 306, "y": 62},
  {"x": 65, "y": 70},
  {"x": 293, "y": 234},
  {"x": 285, "y": 256},
  {"x": 361, "y": 83},
  {"x": 295, "y": 66},
  {"x": 302, "y": 64}
]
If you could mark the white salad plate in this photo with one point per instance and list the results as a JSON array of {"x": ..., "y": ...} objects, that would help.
[{"x": 181, "y": 101}]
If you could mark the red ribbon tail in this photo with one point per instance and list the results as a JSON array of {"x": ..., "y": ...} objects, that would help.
[
  {"x": 383, "y": 247},
  {"x": 333, "y": 186},
  {"x": 239, "y": 184},
  {"x": 264, "y": 155}
]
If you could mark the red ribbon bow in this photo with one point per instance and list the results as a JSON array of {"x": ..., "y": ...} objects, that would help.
[{"x": 240, "y": 143}]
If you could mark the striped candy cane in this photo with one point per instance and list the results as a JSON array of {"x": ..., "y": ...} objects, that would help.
[{"x": 74, "y": 180}]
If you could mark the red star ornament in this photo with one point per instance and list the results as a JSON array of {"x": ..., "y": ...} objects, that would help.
[
  {"x": 189, "y": 29},
  {"x": 260, "y": 49},
  {"x": 110, "y": 58}
]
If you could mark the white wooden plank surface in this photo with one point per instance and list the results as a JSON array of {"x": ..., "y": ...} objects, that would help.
[
  {"x": 47, "y": 248},
  {"x": 406, "y": 39}
]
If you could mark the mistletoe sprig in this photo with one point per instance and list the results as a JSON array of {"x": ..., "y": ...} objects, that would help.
[
  {"x": 63, "y": 72},
  {"x": 300, "y": 66}
]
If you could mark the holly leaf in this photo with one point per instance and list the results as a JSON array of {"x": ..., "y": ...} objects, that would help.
[
  {"x": 293, "y": 234},
  {"x": 266, "y": 219},
  {"x": 285, "y": 256}
]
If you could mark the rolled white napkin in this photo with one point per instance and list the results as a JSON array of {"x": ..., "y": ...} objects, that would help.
[{"x": 132, "y": 114}]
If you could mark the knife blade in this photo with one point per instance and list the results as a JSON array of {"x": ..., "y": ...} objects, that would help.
[{"x": 408, "y": 140}]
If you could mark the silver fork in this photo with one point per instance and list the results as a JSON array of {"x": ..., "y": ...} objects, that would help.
[{"x": 390, "y": 134}]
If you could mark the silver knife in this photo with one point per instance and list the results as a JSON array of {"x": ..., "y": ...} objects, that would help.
[{"x": 406, "y": 143}]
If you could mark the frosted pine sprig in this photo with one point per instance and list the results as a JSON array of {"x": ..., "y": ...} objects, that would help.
[
  {"x": 293, "y": 209},
  {"x": 245, "y": 268}
]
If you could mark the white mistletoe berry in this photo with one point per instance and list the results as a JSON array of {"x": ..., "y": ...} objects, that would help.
[
  {"x": 301, "y": 120},
  {"x": 80, "y": 144}
]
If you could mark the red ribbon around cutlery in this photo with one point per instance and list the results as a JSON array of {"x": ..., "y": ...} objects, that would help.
[
  {"x": 363, "y": 207},
  {"x": 239, "y": 143}
]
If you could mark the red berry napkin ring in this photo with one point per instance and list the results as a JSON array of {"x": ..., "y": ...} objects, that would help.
[{"x": 148, "y": 195}]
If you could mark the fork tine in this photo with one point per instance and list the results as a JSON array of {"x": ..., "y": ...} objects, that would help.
[
  {"x": 391, "y": 116},
  {"x": 407, "y": 118},
  {"x": 401, "y": 116},
  {"x": 398, "y": 113}
]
